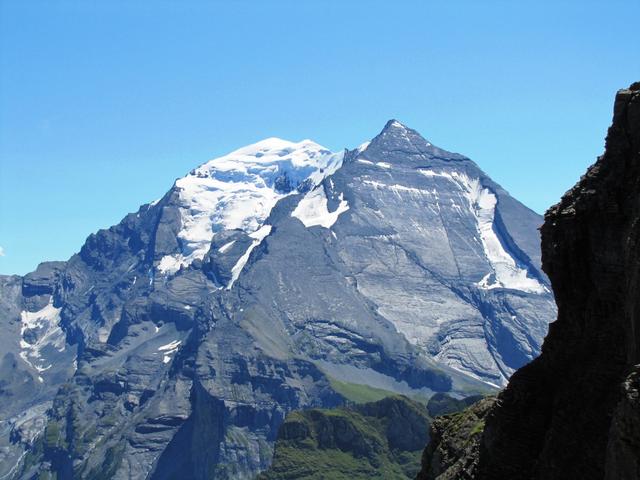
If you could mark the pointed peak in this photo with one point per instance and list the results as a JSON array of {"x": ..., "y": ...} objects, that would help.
[
  {"x": 394, "y": 124},
  {"x": 396, "y": 134},
  {"x": 398, "y": 139}
]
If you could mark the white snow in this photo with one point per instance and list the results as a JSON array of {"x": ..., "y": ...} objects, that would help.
[
  {"x": 375, "y": 183},
  {"x": 397, "y": 188},
  {"x": 169, "y": 349},
  {"x": 377, "y": 164},
  {"x": 313, "y": 210},
  {"x": 171, "y": 346},
  {"x": 237, "y": 191},
  {"x": 403, "y": 188},
  {"x": 433, "y": 173},
  {"x": 258, "y": 236},
  {"x": 226, "y": 246},
  {"x": 505, "y": 271},
  {"x": 362, "y": 147},
  {"x": 46, "y": 322},
  {"x": 171, "y": 264}
]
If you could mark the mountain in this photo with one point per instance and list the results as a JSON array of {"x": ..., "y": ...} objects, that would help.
[
  {"x": 380, "y": 440},
  {"x": 574, "y": 411},
  {"x": 275, "y": 278}
]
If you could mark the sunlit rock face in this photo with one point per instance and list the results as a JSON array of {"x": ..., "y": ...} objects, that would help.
[{"x": 175, "y": 343}]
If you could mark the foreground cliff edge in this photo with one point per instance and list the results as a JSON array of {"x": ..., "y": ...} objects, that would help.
[{"x": 574, "y": 412}]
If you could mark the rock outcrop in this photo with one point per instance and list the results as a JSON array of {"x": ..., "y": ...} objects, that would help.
[
  {"x": 381, "y": 440},
  {"x": 452, "y": 453}
]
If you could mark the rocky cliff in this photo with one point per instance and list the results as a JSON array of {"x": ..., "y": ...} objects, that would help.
[
  {"x": 453, "y": 451},
  {"x": 380, "y": 440},
  {"x": 573, "y": 412}
]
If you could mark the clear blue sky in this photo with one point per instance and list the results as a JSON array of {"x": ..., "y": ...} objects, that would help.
[{"x": 104, "y": 103}]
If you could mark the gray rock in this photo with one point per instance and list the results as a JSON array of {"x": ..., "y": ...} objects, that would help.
[{"x": 177, "y": 363}]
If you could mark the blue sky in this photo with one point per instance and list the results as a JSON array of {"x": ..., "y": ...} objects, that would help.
[{"x": 104, "y": 104}]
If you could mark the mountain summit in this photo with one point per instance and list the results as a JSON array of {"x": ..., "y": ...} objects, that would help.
[
  {"x": 409, "y": 144},
  {"x": 266, "y": 281}
]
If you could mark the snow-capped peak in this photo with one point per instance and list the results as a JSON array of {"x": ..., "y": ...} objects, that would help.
[
  {"x": 238, "y": 191},
  {"x": 395, "y": 124}
]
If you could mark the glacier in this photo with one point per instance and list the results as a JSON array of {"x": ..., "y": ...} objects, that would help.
[{"x": 239, "y": 190}]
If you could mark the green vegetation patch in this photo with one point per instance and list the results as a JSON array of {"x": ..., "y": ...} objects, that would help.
[
  {"x": 375, "y": 440},
  {"x": 358, "y": 393},
  {"x": 477, "y": 428}
]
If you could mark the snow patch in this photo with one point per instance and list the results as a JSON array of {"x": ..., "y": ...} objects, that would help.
[
  {"x": 171, "y": 346},
  {"x": 433, "y": 173},
  {"x": 258, "y": 236},
  {"x": 226, "y": 246},
  {"x": 396, "y": 188},
  {"x": 384, "y": 165},
  {"x": 169, "y": 349},
  {"x": 172, "y": 263},
  {"x": 42, "y": 329},
  {"x": 505, "y": 271},
  {"x": 313, "y": 210},
  {"x": 362, "y": 147}
]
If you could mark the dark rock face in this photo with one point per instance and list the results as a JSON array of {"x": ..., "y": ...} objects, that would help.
[
  {"x": 453, "y": 451},
  {"x": 573, "y": 412},
  {"x": 623, "y": 449}
]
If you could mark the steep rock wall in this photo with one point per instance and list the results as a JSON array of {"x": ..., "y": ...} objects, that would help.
[{"x": 554, "y": 420}]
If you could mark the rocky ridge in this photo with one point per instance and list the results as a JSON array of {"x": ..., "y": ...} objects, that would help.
[{"x": 381, "y": 440}]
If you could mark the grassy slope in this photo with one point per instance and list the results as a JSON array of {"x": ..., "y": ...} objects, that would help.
[
  {"x": 344, "y": 443},
  {"x": 357, "y": 393}
]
